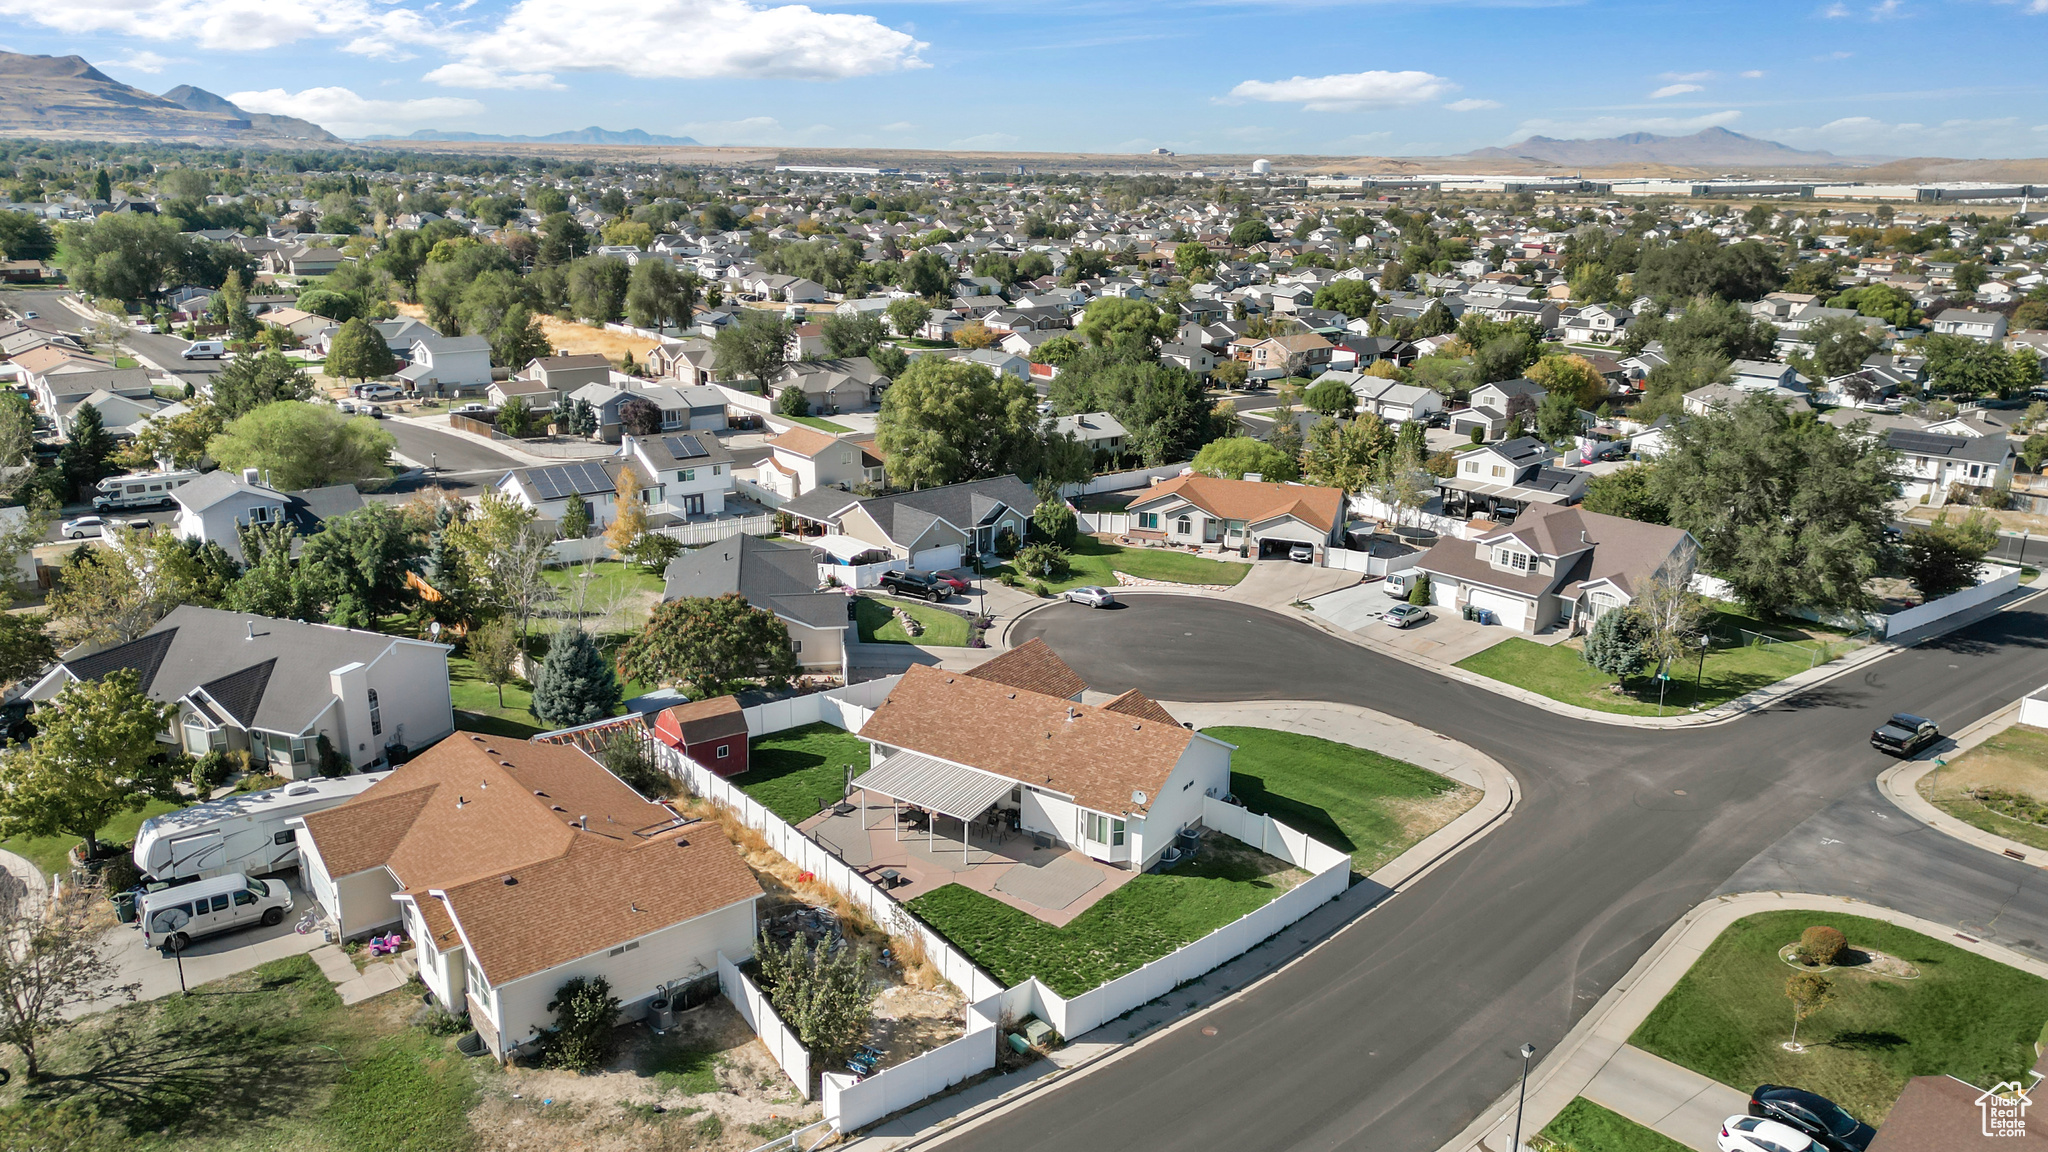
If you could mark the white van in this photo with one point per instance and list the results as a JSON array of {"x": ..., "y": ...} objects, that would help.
[
  {"x": 205, "y": 350},
  {"x": 174, "y": 917},
  {"x": 1399, "y": 584}
]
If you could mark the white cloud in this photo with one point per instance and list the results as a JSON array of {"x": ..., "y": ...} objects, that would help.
[
  {"x": 1869, "y": 134},
  {"x": 1834, "y": 56},
  {"x": 690, "y": 39},
  {"x": 140, "y": 61},
  {"x": 341, "y": 111},
  {"x": 1349, "y": 91},
  {"x": 993, "y": 141},
  {"x": 899, "y": 126},
  {"x": 1675, "y": 90},
  {"x": 1888, "y": 10},
  {"x": 1599, "y": 126},
  {"x": 1753, "y": 74},
  {"x": 1686, "y": 77},
  {"x": 462, "y": 74},
  {"x": 225, "y": 25},
  {"x": 1836, "y": 12},
  {"x": 1471, "y": 105}
]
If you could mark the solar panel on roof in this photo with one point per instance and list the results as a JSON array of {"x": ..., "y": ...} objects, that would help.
[
  {"x": 568, "y": 480},
  {"x": 684, "y": 447},
  {"x": 1925, "y": 442}
]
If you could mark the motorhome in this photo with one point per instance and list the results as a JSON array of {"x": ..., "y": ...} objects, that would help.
[
  {"x": 151, "y": 490},
  {"x": 174, "y": 917},
  {"x": 247, "y": 832}
]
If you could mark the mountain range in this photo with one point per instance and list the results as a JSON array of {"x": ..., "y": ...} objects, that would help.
[
  {"x": 590, "y": 135},
  {"x": 65, "y": 97},
  {"x": 1709, "y": 146}
]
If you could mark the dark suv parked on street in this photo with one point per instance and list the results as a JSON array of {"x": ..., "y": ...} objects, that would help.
[{"x": 931, "y": 587}]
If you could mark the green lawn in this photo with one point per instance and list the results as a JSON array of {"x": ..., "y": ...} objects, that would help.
[
  {"x": 1965, "y": 1016},
  {"x": 1352, "y": 799},
  {"x": 878, "y": 625},
  {"x": 1584, "y": 1126},
  {"x": 818, "y": 422},
  {"x": 609, "y": 580},
  {"x": 1150, "y": 916},
  {"x": 477, "y": 699},
  {"x": 1559, "y": 672},
  {"x": 49, "y": 853},
  {"x": 266, "y": 1059},
  {"x": 1097, "y": 563},
  {"x": 790, "y": 771},
  {"x": 2010, "y": 771}
]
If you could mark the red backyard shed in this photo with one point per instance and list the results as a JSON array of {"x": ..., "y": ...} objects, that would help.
[{"x": 712, "y": 732}]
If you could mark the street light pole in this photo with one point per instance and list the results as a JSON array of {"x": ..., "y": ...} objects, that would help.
[{"x": 1528, "y": 1051}]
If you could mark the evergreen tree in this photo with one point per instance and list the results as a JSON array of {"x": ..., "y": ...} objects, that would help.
[
  {"x": 1616, "y": 645},
  {"x": 575, "y": 684},
  {"x": 83, "y": 459}
]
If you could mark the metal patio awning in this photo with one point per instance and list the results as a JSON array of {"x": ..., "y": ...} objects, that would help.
[{"x": 935, "y": 785}]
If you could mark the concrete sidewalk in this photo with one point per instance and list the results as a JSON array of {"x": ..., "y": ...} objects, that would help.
[
  {"x": 1595, "y": 1060},
  {"x": 1360, "y": 726}
]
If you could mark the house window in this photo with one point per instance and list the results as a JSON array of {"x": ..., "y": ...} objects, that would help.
[
  {"x": 1472, "y": 466},
  {"x": 687, "y": 474},
  {"x": 1500, "y": 470},
  {"x": 1509, "y": 558},
  {"x": 376, "y": 715},
  {"x": 1103, "y": 830},
  {"x": 718, "y": 469},
  {"x": 796, "y": 646},
  {"x": 1148, "y": 520},
  {"x": 1184, "y": 526},
  {"x": 724, "y": 750}
]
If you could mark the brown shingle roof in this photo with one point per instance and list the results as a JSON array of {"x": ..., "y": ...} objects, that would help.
[
  {"x": 1251, "y": 500},
  {"x": 1136, "y": 703},
  {"x": 596, "y": 864},
  {"x": 1033, "y": 667},
  {"x": 702, "y": 720},
  {"x": 1096, "y": 756},
  {"x": 806, "y": 442}
]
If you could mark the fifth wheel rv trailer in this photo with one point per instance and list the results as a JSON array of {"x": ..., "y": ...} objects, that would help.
[{"x": 248, "y": 832}]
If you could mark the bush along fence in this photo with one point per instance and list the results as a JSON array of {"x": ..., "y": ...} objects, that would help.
[
  {"x": 754, "y": 1008},
  {"x": 853, "y": 1102}
]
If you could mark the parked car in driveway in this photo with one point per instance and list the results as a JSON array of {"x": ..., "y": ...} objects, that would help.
[
  {"x": 1399, "y": 584},
  {"x": 1302, "y": 553},
  {"x": 953, "y": 582},
  {"x": 1406, "y": 615},
  {"x": 1758, "y": 1134},
  {"x": 1904, "y": 734},
  {"x": 924, "y": 585},
  {"x": 1091, "y": 596},
  {"x": 1812, "y": 1115},
  {"x": 173, "y": 917},
  {"x": 81, "y": 527}
]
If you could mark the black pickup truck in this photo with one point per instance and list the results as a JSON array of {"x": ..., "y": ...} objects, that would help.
[{"x": 925, "y": 584}]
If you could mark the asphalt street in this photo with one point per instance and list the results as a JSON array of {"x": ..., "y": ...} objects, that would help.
[{"x": 1403, "y": 1027}]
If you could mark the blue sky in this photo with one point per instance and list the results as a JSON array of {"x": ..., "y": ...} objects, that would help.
[{"x": 1414, "y": 77}]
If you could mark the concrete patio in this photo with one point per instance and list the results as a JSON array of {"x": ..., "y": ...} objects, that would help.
[{"x": 1052, "y": 884}]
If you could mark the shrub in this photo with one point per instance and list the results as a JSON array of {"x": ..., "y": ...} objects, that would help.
[
  {"x": 1615, "y": 645},
  {"x": 1821, "y": 944},
  {"x": 211, "y": 771},
  {"x": 119, "y": 873},
  {"x": 1420, "y": 593},
  {"x": 1044, "y": 560},
  {"x": 586, "y": 1012},
  {"x": 332, "y": 763},
  {"x": 625, "y": 756},
  {"x": 823, "y": 993},
  {"x": 1008, "y": 580},
  {"x": 1006, "y": 543}
]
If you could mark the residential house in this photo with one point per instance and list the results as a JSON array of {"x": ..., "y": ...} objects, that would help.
[
  {"x": 1191, "y": 356},
  {"x": 1261, "y": 518},
  {"x": 1391, "y": 400},
  {"x": 1098, "y": 430},
  {"x": 1597, "y": 324},
  {"x": 933, "y": 528},
  {"x": 1556, "y": 565},
  {"x": 1937, "y": 466},
  {"x": 691, "y": 362},
  {"x": 1493, "y": 405},
  {"x": 840, "y": 385},
  {"x": 804, "y": 459},
  {"x": 216, "y": 507},
  {"x": 535, "y": 394},
  {"x": 548, "y": 490},
  {"x": 690, "y": 473},
  {"x": 1498, "y": 481},
  {"x": 997, "y": 361},
  {"x": 776, "y": 577},
  {"x": 1303, "y": 354},
  {"x": 563, "y": 375},
  {"x": 1115, "y": 782},
  {"x": 1983, "y": 327},
  {"x": 274, "y": 688},
  {"x": 438, "y": 365},
  {"x": 1766, "y": 376},
  {"x": 518, "y": 866}
]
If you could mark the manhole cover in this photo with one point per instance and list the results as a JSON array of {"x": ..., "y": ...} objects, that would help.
[{"x": 1209, "y": 1030}]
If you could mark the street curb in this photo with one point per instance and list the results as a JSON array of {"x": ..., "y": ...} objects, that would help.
[
  {"x": 1569, "y": 1068},
  {"x": 1403, "y": 872},
  {"x": 1900, "y": 785}
]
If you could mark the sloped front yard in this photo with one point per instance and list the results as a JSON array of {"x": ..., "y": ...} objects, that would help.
[{"x": 1095, "y": 562}]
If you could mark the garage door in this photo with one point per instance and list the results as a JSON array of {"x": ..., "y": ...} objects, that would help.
[
  {"x": 936, "y": 559},
  {"x": 1513, "y": 612}
]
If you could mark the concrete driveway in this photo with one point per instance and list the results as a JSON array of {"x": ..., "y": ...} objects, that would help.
[
  {"x": 1446, "y": 638},
  {"x": 156, "y": 971},
  {"x": 1278, "y": 583}
]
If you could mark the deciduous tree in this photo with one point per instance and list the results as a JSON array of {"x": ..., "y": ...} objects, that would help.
[
  {"x": 753, "y": 347},
  {"x": 629, "y": 512},
  {"x": 54, "y": 963},
  {"x": 493, "y": 649},
  {"x": 358, "y": 352},
  {"x": 1233, "y": 456},
  {"x": 1344, "y": 455},
  {"x": 95, "y": 756},
  {"x": 945, "y": 421},
  {"x": 709, "y": 644},
  {"x": 302, "y": 445},
  {"x": 1944, "y": 557}
]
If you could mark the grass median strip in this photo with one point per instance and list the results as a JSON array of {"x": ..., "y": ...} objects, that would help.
[
  {"x": 2000, "y": 786},
  {"x": 1964, "y": 1016},
  {"x": 1353, "y": 799},
  {"x": 1584, "y": 1126}
]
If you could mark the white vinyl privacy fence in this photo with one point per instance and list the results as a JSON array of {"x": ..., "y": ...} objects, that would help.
[
  {"x": 760, "y": 1016},
  {"x": 851, "y": 1102}
]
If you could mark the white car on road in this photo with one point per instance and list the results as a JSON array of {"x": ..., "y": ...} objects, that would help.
[
  {"x": 82, "y": 527},
  {"x": 1092, "y": 596},
  {"x": 1761, "y": 1134}
]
